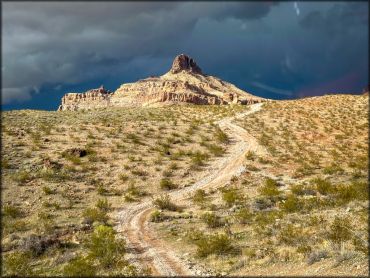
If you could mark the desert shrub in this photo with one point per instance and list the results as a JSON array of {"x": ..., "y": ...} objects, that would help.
[
  {"x": 231, "y": 196},
  {"x": 21, "y": 177},
  {"x": 81, "y": 267},
  {"x": 198, "y": 158},
  {"x": 134, "y": 138},
  {"x": 123, "y": 177},
  {"x": 215, "y": 150},
  {"x": 36, "y": 245},
  {"x": 340, "y": 230},
  {"x": 129, "y": 198},
  {"x": 164, "y": 202},
  {"x": 219, "y": 244},
  {"x": 270, "y": 188},
  {"x": 135, "y": 191},
  {"x": 220, "y": 136},
  {"x": 11, "y": 211},
  {"x": 72, "y": 158},
  {"x": 167, "y": 184},
  {"x": 47, "y": 190},
  {"x": 244, "y": 216},
  {"x": 102, "y": 190},
  {"x": 5, "y": 163},
  {"x": 104, "y": 247},
  {"x": 250, "y": 155},
  {"x": 92, "y": 215},
  {"x": 333, "y": 169},
  {"x": 316, "y": 256},
  {"x": 291, "y": 204},
  {"x": 360, "y": 245},
  {"x": 157, "y": 216},
  {"x": 199, "y": 197},
  {"x": 14, "y": 226},
  {"x": 103, "y": 204},
  {"x": 53, "y": 175},
  {"x": 304, "y": 249},
  {"x": 323, "y": 186},
  {"x": 291, "y": 235},
  {"x": 297, "y": 189},
  {"x": 212, "y": 220},
  {"x": 18, "y": 264},
  {"x": 354, "y": 191}
]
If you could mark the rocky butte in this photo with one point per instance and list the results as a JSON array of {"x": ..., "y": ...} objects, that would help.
[{"x": 184, "y": 83}]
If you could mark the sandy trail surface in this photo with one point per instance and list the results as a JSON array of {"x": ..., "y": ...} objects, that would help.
[{"x": 146, "y": 248}]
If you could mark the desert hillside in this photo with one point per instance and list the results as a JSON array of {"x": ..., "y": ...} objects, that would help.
[{"x": 271, "y": 188}]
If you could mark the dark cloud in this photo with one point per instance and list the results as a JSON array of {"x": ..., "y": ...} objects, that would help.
[
  {"x": 73, "y": 42},
  {"x": 338, "y": 20},
  {"x": 257, "y": 45}
]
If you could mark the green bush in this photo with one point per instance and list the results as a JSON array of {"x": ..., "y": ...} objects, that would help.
[
  {"x": 101, "y": 190},
  {"x": 231, "y": 196},
  {"x": 219, "y": 244},
  {"x": 333, "y": 169},
  {"x": 157, "y": 216},
  {"x": 167, "y": 184},
  {"x": 340, "y": 230},
  {"x": 11, "y": 211},
  {"x": 47, "y": 190},
  {"x": 291, "y": 235},
  {"x": 18, "y": 264},
  {"x": 198, "y": 158},
  {"x": 291, "y": 204},
  {"x": 123, "y": 177},
  {"x": 199, "y": 197},
  {"x": 220, "y": 136},
  {"x": 164, "y": 202},
  {"x": 212, "y": 220},
  {"x": 21, "y": 177},
  {"x": 244, "y": 216},
  {"x": 92, "y": 215},
  {"x": 270, "y": 188},
  {"x": 81, "y": 267},
  {"x": 354, "y": 191},
  {"x": 104, "y": 247},
  {"x": 250, "y": 155},
  {"x": 103, "y": 204},
  {"x": 323, "y": 186},
  {"x": 215, "y": 149}
]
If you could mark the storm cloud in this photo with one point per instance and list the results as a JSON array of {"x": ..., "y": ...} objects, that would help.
[{"x": 59, "y": 45}]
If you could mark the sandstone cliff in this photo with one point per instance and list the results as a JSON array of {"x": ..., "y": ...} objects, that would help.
[{"x": 184, "y": 83}]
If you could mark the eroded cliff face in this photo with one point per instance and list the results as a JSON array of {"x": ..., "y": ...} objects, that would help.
[
  {"x": 91, "y": 99},
  {"x": 184, "y": 83}
]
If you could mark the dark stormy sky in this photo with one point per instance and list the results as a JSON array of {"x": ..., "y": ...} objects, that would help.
[{"x": 272, "y": 49}]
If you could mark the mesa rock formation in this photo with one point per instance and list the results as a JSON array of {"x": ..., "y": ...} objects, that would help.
[{"x": 183, "y": 83}]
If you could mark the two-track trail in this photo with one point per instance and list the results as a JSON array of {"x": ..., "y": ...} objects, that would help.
[{"x": 133, "y": 219}]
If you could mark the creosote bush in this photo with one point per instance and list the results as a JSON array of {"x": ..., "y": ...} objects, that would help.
[
  {"x": 340, "y": 230},
  {"x": 231, "y": 196},
  {"x": 199, "y": 197},
  {"x": 164, "y": 202},
  {"x": 92, "y": 215},
  {"x": 104, "y": 247},
  {"x": 270, "y": 188},
  {"x": 81, "y": 267},
  {"x": 219, "y": 244},
  {"x": 167, "y": 184},
  {"x": 18, "y": 264},
  {"x": 212, "y": 220}
]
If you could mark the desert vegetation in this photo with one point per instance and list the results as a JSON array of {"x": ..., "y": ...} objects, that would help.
[{"x": 66, "y": 174}]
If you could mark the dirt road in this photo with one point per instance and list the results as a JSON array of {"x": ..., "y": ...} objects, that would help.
[{"x": 133, "y": 219}]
